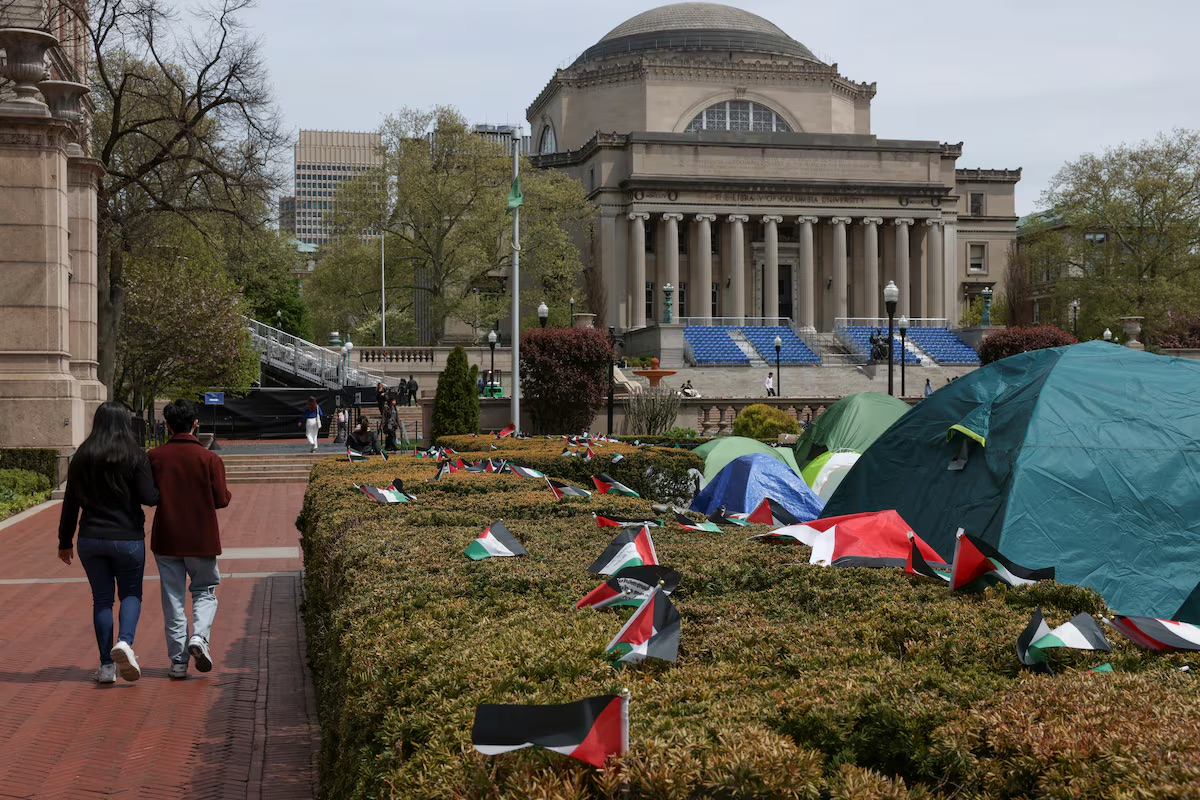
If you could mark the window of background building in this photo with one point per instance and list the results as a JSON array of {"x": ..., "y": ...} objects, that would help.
[
  {"x": 649, "y": 300},
  {"x": 547, "y": 144},
  {"x": 683, "y": 309},
  {"x": 1036, "y": 312},
  {"x": 976, "y": 204},
  {"x": 976, "y": 258},
  {"x": 737, "y": 115}
]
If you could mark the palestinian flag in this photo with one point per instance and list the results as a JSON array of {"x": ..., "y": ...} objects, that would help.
[
  {"x": 354, "y": 455},
  {"x": 605, "y": 484},
  {"x": 1105, "y": 667},
  {"x": 388, "y": 496},
  {"x": 723, "y": 517},
  {"x": 562, "y": 490},
  {"x": 588, "y": 455},
  {"x": 618, "y": 458},
  {"x": 495, "y": 541},
  {"x": 652, "y": 631},
  {"x": 492, "y": 447},
  {"x": 566, "y": 452},
  {"x": 449, "y": 451},
  {"x": 1158, "y": 634},
  {"x": 869, "y": 539},
  {"x": 688, "y": 524},
  {"x": 608, "y": 521},
  {"x": 590, "y": 730},
  {"x": 628, "y": 549},
  {"x": 770, "y": 512},
  {"x": 1078, "y": 633},
  {"x": 631, "y": 586},
  {"x": 507, "y": 431},
  {"x": 917, "y": 565},
  {"x": 526, "y": 472},
  {"x": 443, "y": 469},
  {"x": 477, "y": 466},
  {"x": 977, "y": 565}
]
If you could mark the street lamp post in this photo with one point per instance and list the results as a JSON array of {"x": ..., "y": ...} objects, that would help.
[
  {"x": 891, "y": 296},
  {"x": 903, "y": 349},
  {"x": 493, "y": 338},
  {"x": 986, "y": 294},
  {"x": 668, "y": 309},
  {"x": 778, "y": 371},
  {"x": 543, "y": 313},
  {"x": 1075, "y": 318},
  {"x": 572, "y": 322},
  {"x": 347, "y": 348},
  {"x": 1107, "y": 335}
]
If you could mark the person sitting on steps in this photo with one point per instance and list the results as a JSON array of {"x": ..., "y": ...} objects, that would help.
[{"x": 363, "y": 440}]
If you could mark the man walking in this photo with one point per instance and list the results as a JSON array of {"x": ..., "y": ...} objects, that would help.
[
  {"x": 185, "y": 538},
  {"x": 770, "y": 384}
]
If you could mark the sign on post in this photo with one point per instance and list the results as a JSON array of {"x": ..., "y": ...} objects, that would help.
[{"x": 214, "y": 398}]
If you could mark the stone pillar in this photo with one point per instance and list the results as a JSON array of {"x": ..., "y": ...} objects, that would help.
[
  {"x": 39, "y": 395},
  {"x": 83, "y": 175},
  {"x": 703, "y": 267},
  {"x": 637, "y": 278},
  {"x": 950, "y": 299},
  {"x": 615, "y": 290},
  {"x": 839, "y": 266},
  {"x": 671, "y": 249},
  {"x": 805, "y": 288},
  {"x": 771, "y": 270},
  {"x": 935, "y": 274},
  {"x": 902, "y": 279},
  {"x": 871, "y": 266},
  {"x": 737, "y": 266}
]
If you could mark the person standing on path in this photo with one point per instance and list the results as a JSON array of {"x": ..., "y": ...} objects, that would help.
[
  {"x": 110, "y": 480},
  {"x": 185, "y": 536},
  {"x": 312, "y": 422},
  {"x": 770, "y": 383},
  {"x": 412, "y": 391}
]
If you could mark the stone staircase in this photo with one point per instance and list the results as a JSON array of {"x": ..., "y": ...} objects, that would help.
[
  {"x": 275, "y": 467},
  {"x": 744, "y": 345}
]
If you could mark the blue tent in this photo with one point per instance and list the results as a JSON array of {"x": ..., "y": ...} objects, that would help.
[{"x": 747, "y": 480}]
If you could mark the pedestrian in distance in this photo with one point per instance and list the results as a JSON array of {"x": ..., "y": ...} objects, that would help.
[
  {"x": 400, "y": 394},
  {"x": 412, "y": 391},
  {"x": 186, "y": 537},
  {"x": 770, "y": 383},
  {"x": 311, "y": 422},
  {"x": 381, "y": 398},
  {"x": 928, "y": 388},
  {"x": 363, "y": 440},
  {"x": 109, "y": 481},
  {"x": 391, "y": 424}
]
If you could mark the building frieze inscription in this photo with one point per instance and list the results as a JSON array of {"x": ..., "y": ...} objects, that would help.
[
  {"x": 793, "y": 167},
  {"x": 779, "y": 198}
]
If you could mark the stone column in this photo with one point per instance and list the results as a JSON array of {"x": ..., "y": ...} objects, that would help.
[
  {"x": 671, "y": 248},
  {"x": 935, "y": 274},
  {"x": 737, "y": 266},
  {"x": 902, "y": 279},
  {"x": 839, "y": 266},
  {"x": 703, "y": 267},
  {"x": 806, "y": 313},
  {"x": 771, "y": 270},
  {"x": 83, "y": 175},
  {"x": 637, "y": 278},
  {"x": 950, "y": 264},
  {"x": 871, "y": 265}
]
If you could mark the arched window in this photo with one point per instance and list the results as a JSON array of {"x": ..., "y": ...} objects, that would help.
[
  {"x": 547, "y": 144},
  {"x": 737, "y": 115}
]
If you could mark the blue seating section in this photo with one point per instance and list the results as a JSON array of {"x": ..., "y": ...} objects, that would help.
[
  {"x": 793, "y": 352},
  {"x": 860, "y": 337},
  {"x": 713, "y": 347},
  {"x": 943, "y": 346}
]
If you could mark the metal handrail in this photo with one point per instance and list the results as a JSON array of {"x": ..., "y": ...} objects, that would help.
[
  {"x": 738, "y": 322},
  {"x": 882, "y": 322},
  {"x": 312, "y": 362}
]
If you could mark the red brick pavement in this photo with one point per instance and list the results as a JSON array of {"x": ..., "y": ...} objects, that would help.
[{"x": 246, "y": 730}]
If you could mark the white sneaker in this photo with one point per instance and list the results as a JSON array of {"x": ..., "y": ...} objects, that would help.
[
  {"x": 177, "y": 671},
  {"x": 199, "y": 651},
  {"x": 126, "y": 661},
  {"x": 107, "y": 673}
]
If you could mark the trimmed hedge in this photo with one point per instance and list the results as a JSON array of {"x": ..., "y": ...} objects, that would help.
[
  {"x": 793, "y": 681},
  {"x": 43, "y": 460},
  {"x": 21, "y": 489}
]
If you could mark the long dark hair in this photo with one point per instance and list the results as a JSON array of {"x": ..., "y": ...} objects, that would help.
[
  {"x": 107, "y": 456},
  {"x": 312, "y": 404}
]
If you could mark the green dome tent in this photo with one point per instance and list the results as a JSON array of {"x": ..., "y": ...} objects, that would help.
[
  {"x": 849, "y": 425},
  {"x": 1085, "y": 458},
  {"x": 720, "y": 452}
]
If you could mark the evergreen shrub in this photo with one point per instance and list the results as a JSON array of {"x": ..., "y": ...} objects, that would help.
[
  {"x": 43, "y": 460},
  {"x": 456, "y": 404},
  {"x": 21, "y": 489}
]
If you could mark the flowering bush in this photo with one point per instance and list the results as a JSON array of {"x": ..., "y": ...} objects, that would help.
[
  {"x": 761, "y": 421},
  {"x": 1011, "y": 341},
  {"x": 564, "y": 377}
]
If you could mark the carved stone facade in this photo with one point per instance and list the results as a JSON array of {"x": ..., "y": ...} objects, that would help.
[
  {"x": 743, "y": 172},
  {"x": 49, "y": 386}
]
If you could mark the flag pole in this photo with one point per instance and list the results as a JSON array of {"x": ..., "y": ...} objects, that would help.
[
  {"x": 516, "y": 290},
  {"x": 624, "y": 721}
]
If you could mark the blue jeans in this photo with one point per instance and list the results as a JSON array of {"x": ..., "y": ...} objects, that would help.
[
  {"x": 204, "y": 579},
  {"x": 109, "y": 563}
]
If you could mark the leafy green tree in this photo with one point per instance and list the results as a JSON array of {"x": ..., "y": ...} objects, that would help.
[
  {"x": 1122, "y": 232},
  {"x": 342, "y": 292},
  {"x": 456, "y": 404},
  {"x": 440, "y": 194},
  {"x": 260, "y": 262}
]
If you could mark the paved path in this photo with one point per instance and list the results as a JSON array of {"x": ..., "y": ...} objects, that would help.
[{"x": 245, "y": 730}]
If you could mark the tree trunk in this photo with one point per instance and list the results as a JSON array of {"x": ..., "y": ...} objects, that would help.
[{"x": 110, "y": 303}]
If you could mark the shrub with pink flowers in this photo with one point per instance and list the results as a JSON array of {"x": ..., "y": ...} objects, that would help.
[{"x": 564, "y": 377}]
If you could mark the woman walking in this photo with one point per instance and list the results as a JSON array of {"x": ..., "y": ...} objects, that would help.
[
  {"x": 110, "y": 480},
  {"x": 312, "y": 422}
]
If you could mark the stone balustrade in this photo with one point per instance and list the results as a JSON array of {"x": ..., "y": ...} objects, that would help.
[
  {"x": 715, "y": 417},
  {"x": 395, "y": 355}
]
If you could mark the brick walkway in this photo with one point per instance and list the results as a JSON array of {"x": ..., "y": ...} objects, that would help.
[{"x": 246, "y": 730}]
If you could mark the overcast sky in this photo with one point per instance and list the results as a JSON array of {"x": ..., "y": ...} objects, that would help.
[{"x": 1022, "y": 83}]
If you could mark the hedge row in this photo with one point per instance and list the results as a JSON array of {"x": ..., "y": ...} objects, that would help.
[
  {"x": 793, "y": 681},
  {"x": 21, "y": 489},
  {"x": 43, "y": 460}
]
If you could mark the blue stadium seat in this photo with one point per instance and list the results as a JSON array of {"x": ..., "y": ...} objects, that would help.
[
  {"x": 792, "y": 352},
  {"x": 712, "y": 346},
  {"x": 943, "y": 346}
]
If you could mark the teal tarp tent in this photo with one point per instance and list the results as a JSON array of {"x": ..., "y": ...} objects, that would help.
[{"x": 1085, "y": 458}]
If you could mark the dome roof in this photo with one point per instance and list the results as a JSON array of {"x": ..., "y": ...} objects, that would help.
[{"x": 690, "y": 26}]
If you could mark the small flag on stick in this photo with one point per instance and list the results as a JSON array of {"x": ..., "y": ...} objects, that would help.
[
  {"x": 605, "y": 484},
  {"x": 590, "y": 730},
  {"x": 495, "y": 541},
  {"x": 977, "y": 565},
  {"x": 652, "y": 632},
  {"x": 627, "y": 549}
]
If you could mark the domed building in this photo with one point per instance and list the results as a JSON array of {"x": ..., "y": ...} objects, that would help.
[{"x": 733, "y": 165}]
